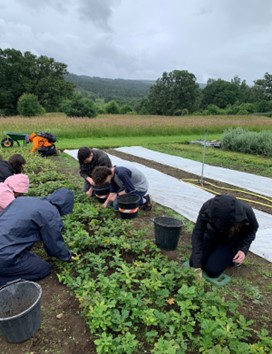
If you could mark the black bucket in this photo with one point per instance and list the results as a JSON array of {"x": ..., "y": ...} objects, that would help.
[
  {"x": 167, "y": 232},
  {"x": 128, "y": 205},
  {"x": 20, "y": 310},
  {"x": 102, "y": 193}
]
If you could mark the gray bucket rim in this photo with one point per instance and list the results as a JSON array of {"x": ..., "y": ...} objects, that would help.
[
  {"x": 21, "y": 314},
  {"x": 177, "y": 224}
]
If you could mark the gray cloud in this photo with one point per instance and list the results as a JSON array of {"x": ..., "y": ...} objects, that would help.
[{"x": 142, "y": 39}]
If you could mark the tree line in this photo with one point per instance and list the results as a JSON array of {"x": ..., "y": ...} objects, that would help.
[{"x": 31, "y": 85}]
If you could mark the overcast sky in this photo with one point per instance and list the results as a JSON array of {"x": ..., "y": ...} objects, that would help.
[{"x": 141, "y": 39}]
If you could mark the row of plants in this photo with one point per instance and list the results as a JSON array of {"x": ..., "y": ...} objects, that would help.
[{"x": 133, "y": 298}]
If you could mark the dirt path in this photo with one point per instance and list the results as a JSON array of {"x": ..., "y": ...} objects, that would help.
[{"x": 256, "y": 201}]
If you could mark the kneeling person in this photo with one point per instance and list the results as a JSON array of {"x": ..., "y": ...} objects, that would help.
[
  {"x": 222, "y": 235},
  {"x": 123, "y": 180},
  {"x": 26, "y": 221}
]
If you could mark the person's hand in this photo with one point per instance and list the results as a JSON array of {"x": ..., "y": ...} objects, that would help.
[
  {"x": 89, "y": 192},
  {"x": 239, "y": 257},
  {"x": 74, "y": 257},
  {"x": 90, "y": 180},
  {"x": 198, "y": 271}
]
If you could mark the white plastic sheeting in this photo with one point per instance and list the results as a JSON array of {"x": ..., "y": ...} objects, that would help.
[
  {"x": 254, "y": 183},
  {"x": 187, "y": 200}
]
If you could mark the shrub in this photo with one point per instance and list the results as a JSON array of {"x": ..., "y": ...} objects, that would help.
[
  {"x": 125, "y": 109},
  {"x": 249, "y": 107},
  {"x": 241, "y": 140},
  {"x": 28, "y": 105},
  {"x": 79, "y": 106},
  {"x": 263, "y": 106},
  {"x": 112, "y": 107}
]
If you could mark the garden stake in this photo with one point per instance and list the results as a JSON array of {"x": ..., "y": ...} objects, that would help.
[{"x": 203, "y": 159}]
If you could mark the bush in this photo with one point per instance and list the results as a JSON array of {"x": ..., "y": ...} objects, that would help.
[
  {"x": 125, "y": 109},
  {"x": 79, "y": 106},
  {"x": 247, "y": 107},
  {"x": 28, "y": 105},
  {"x": 112, "y": 107},
  {"x": 244, "y": 141},
  {"x": 264, "y": 106}
]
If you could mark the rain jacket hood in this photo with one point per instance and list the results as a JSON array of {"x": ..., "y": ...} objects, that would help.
[
  {"x": 225, "y": 212},
  {"x": 63, "y": 199}
]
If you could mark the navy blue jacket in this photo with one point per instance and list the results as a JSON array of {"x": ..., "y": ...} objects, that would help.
[{"x": 28, "y": 220}]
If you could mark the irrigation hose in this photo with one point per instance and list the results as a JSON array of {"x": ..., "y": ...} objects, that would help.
[
  {"x": 230, "y": 189},
  {"x": 216, "y": 193}
]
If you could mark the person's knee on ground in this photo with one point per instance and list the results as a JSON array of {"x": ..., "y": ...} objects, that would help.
[{"x": 212, "y": 273}]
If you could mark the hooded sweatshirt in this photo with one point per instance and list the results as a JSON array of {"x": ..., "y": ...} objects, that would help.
[
  {"x": 6, "y": 170},
  {"x": 18, "y": 183},
  {"x": 28, "y": 220},
  {"x": 214, "y": 221},
  {"x": 38, "y": 142}
]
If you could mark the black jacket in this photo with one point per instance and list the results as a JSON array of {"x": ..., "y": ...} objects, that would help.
[
  {"x": 5, "y": 170},
  {"x": 100, "y": 158},
  {"x": 215, "y": 219}
]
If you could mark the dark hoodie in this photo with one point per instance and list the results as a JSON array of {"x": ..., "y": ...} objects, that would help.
[
  {"x": 100, "y": 158},
  {"x": 214, "y": 221},
  {"x": 6, "y": 170},
  {"x": 28, "y": 220}
]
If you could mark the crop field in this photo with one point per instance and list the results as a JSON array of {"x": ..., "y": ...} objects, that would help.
[{"x": 122, "y": 294}]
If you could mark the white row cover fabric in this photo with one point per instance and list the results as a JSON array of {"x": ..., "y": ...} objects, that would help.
[
  {"x": 249, "y": 181},
  {"x": 187, "y": 200}
]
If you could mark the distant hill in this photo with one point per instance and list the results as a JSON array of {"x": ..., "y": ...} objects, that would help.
[{"x": 111, "y": 89}]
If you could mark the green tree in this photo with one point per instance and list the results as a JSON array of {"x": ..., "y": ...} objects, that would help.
[
  {"x": 174, "y": 92},
  {"x": 265, "y": 86},
  {"x": 125, "y": 109},
  {"x": 112, "y": 107},
  {"x": 79, "y": 106},
  {"x": 25, "y": 73},
  {"x": 29, "y": 105},
  {"x": 220, "y": 93}
]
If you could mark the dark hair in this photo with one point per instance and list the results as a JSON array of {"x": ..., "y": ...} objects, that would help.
[
  {"x": 100, "y": 173},
  {"x": 83, "y": 153},
  {"x": 17, "y": 161}
]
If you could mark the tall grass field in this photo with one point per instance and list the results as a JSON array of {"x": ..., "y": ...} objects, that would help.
[{"x": 113, "y": 126}]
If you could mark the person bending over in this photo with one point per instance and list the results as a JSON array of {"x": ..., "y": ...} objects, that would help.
[
  {"x": 13, "y": 187},
  {"x": 123, "y": 180},
  {"x": 13, "y": 166},
  {"x": 42, "y": 145},
  {"x": 224, "y": 231},
  {"x": 88, "y": 160},
  {"x": 26, "y": 221}
]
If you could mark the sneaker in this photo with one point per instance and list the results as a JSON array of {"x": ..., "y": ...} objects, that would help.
[{"x": 147, "y": 206}]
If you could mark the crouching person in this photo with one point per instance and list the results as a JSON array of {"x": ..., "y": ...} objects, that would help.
[
  {"x": 123, "y": 180},
  {"x": 222, "y": 236},
  {"x": 88, "y": 160},
  {"x": 13, "y": 187},
  {"x": 26, "y": 221}
]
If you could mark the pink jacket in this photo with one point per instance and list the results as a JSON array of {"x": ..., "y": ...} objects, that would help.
[{"x": 17, "y": 183}]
